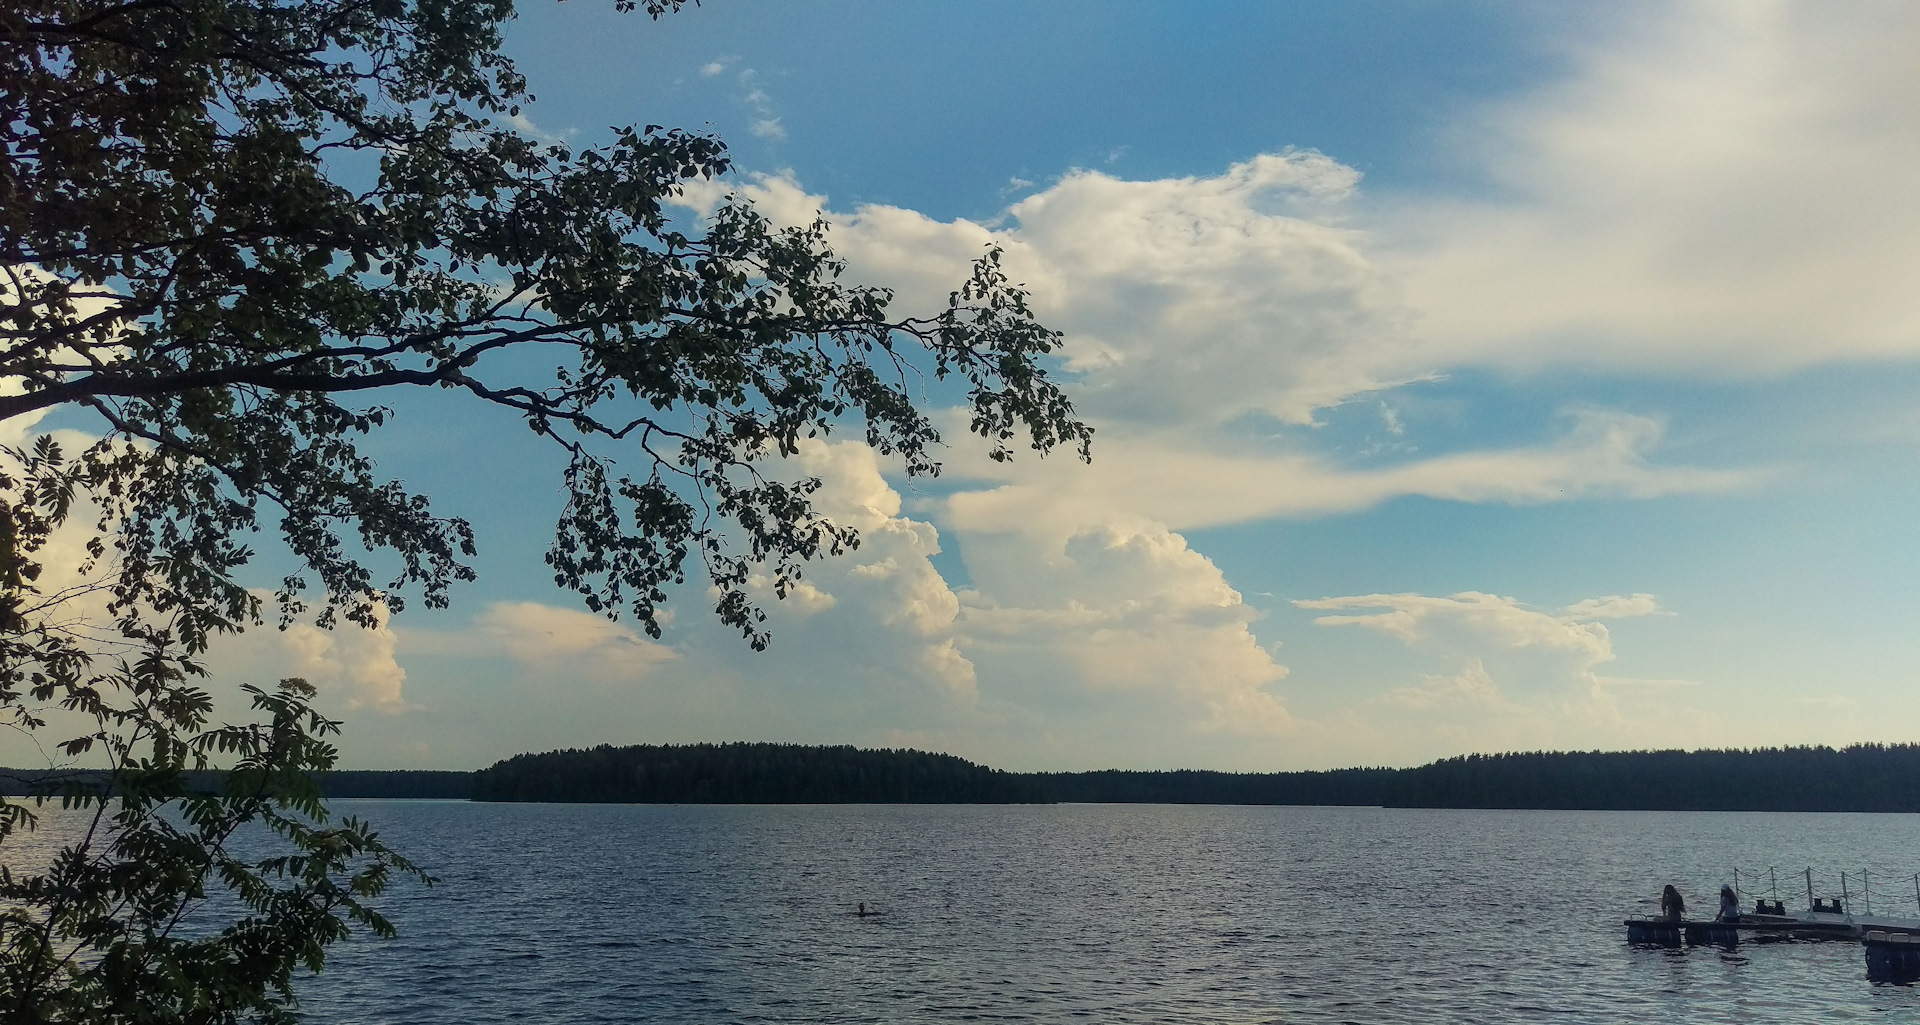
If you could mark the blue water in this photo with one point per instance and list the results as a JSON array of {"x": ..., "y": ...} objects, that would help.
[{"x": 1100, "y": 913}]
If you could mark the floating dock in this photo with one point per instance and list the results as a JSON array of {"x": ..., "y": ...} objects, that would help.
[
  {"x": 1891, "y": 943},
  {"x": 1892, "y": 956},
  {"x": 1666, "y": 932},
  {"x": 1825, "y": 918}
]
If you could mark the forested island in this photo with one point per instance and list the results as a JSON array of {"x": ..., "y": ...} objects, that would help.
[
  {"x": 750, "y": 774},
  {"x": 1863, "y": 778}
]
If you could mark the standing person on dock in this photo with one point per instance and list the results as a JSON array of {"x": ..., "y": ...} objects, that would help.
[
  {"x": 1729, "y": 905},
  {"x": 1672, "y": 906}
]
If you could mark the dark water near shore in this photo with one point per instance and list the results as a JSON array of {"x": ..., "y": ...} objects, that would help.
[{"x": 1102, "y": 913}]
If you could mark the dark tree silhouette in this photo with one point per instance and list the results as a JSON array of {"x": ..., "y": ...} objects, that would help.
[
  {"x": 749, "y": 774},
  {"x": 229, "y": 230},
  {"x": 1863, "y": 777}
]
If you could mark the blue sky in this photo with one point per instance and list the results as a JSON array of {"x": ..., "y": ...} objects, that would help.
[
  {"x": 1469, "y": 377},
  {"x": 936, "y": 107}
]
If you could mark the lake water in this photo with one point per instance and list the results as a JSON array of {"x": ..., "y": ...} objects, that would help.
[{"x": 1099, "y": 913}]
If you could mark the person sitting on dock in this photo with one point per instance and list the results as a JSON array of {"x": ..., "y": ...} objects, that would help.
[
  {"x": 1672, "y": 906},
  {"x": 1729, "y": 905}
]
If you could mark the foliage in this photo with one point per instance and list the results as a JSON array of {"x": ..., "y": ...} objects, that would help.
[
  {"x": 116, "y": 928},
  {"x": 208, "y": 278},
  {"x": 227, "y": 228}
]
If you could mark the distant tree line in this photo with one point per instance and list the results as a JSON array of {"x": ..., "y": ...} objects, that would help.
[
  {"x": 1194, "y": 786},
  {"x": 1864, "y": 777},
  {"x": 396, "y": 783},
  {"x": 407, "y": 783},
  {"x": 750, "y": 774}
]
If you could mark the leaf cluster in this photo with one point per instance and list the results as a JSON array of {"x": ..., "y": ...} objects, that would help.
[
  {"x": 224, "y": 220},
  {"x": 134, "y": 917}
]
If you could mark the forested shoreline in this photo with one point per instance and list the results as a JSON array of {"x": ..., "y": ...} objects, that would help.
[
  {"x": 1863, "y": 777},
  {"x": 1196, "y": 786},
  {"x": 750, "y": 774},
  {"x": 425, "y": 784},
  {"x": 1859, "y": 778}
]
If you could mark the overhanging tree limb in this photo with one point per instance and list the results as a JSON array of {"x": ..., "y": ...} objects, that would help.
[{"x": 228, "y": 228}]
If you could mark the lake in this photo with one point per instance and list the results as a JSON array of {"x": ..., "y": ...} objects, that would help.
[{"x": 1101, "y": 913}]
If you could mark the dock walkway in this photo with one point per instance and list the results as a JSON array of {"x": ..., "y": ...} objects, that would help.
[{"x": 1753, "y": 927}]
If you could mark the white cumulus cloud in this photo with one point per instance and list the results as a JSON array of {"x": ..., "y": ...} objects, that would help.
[
  {"x": 353, "y": 667},
  {"x": 1184, "y": 301},
  {"x": 1126, "y": 614}
]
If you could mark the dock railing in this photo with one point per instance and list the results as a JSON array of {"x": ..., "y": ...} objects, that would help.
[{"x": 1895, "y": 894}]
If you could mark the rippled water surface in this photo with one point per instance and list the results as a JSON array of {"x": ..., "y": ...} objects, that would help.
[{"x": 1101, "y": 913}]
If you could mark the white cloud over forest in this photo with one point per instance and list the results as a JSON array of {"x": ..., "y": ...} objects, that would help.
[
  {"x": 1513, "y": 675},
  {"x": 1057, "y": 636},
  {"x": 1061, "y": 644}
]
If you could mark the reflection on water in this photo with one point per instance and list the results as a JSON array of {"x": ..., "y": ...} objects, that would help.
[{"x": 572, "y": 913}]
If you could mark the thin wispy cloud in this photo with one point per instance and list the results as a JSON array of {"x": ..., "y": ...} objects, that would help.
[{"x": 1718, "y": 187}]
